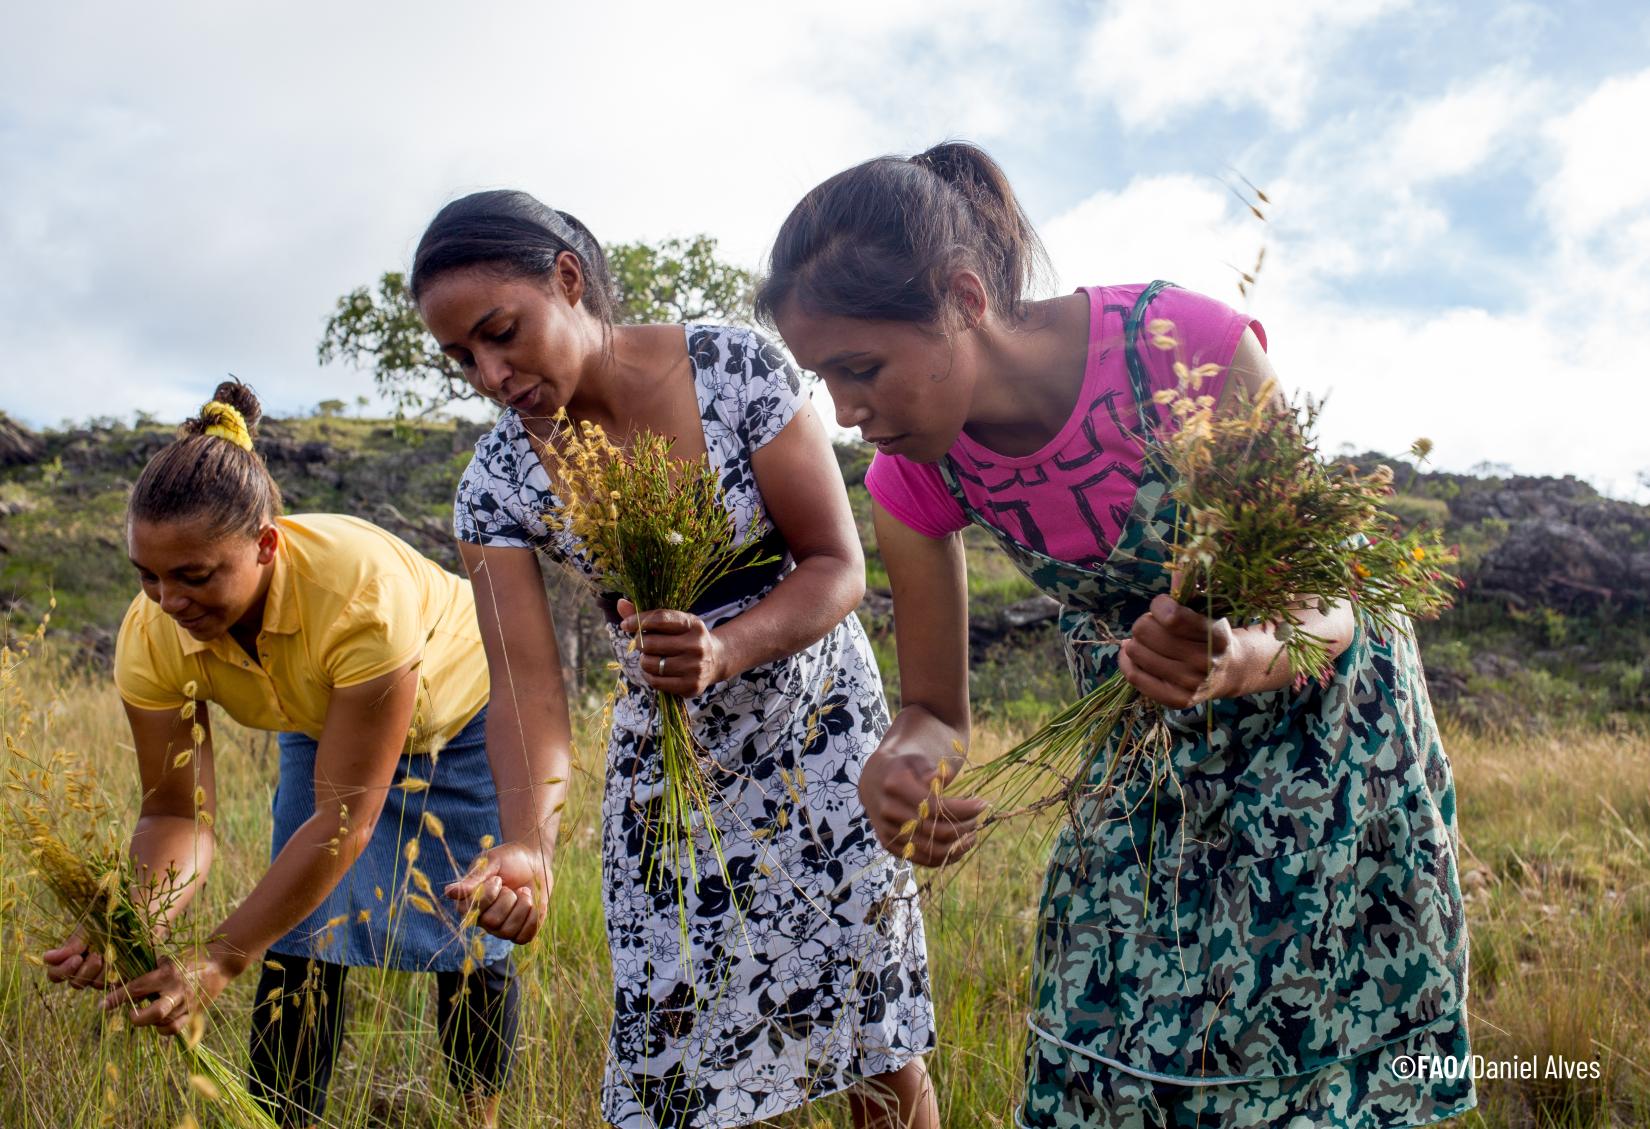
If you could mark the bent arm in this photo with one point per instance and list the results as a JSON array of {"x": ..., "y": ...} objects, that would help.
[
  {"x": 172, "y": 846},
  {"x": 529, "y": 734},
  {"x": 922, "y": 750},
  {"x": 361, "y": 742},
  {"x": 801, "y": 485},
  {"x": 929, "y": 578}
]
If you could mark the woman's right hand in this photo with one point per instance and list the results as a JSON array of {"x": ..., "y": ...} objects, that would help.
[
  {"x": 903, "y": 790},
  {"x": 74, "y": 963}
]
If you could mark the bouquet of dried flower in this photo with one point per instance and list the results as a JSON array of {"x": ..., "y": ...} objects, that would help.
[
  {"x": 656, "y": 531},
  {"x": 1265, "y": 530}
]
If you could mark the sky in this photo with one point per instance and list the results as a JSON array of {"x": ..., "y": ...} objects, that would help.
[{"x": 1457, "y": 240}]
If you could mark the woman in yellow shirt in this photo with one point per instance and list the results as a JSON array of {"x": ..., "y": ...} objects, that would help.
[{"x": 366, "y": 658}]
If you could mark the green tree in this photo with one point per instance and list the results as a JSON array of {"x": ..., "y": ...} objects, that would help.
[
  {"x": 380, "y": 327},
  {"x": 679, "y": 280},
  {"x": 676, "y": 280}
]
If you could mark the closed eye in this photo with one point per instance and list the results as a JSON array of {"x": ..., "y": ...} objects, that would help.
[
  {"x": 504, "y": 336},
  {"x": 863, "y": 374}
]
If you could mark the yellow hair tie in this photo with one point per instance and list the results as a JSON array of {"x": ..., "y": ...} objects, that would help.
[{"x": 226, "y": 422}]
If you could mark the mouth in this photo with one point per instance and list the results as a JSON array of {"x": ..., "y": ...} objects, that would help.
[
  {"x": 523, "y": 401},
  {"x": 885, "y": 443},
  {"x": 192, "y": 623}
]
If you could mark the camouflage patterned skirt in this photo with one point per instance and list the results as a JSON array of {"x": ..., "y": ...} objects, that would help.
[{"x": 1066, "y": 1089}]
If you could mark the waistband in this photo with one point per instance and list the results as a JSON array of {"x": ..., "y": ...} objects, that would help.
[{"x": 752, "y": 571}]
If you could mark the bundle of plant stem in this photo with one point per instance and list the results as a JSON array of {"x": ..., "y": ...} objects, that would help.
[
  {"x": 92, "y": 891},
  {"x": 656, "y": 531},
  {"x": 1265, "y": 531}
]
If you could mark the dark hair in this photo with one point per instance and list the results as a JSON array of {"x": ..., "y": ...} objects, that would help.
[
  {"x": 882, "y": 239},
  {"x": 512, "y": 232},
  {"x": 209, "y": 477}
]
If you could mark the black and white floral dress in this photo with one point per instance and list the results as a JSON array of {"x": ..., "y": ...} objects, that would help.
[{"x": 818, "y": 976}]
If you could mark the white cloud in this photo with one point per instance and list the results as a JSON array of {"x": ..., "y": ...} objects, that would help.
[
  {"x": 205, "y": 181},
  {"x": 1546, "y": 381},
  {"x": 1604, "y": 164},
  {"x": 1173, "y": 227},
  {"x": 1455, "y": 133},
  {"x": 1156, "y": 60},
  {"x": 201, "y": 184},
  {"x": 1362, "y": 195},
  {"x": 982, "y": 69},
  {"x": 1519, "y": 388}
]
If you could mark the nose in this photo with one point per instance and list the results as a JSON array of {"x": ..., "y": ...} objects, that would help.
[
  {"x": 172, "y": 601},
  {"x": 849, "y": 413},
  {"x": 491, "y": 371}
]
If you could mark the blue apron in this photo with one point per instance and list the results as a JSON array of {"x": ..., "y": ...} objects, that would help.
[{"x": 374, "y": 917}]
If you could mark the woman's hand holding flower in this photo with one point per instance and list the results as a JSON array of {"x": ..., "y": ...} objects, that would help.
[{"x": 679, "y": 654}]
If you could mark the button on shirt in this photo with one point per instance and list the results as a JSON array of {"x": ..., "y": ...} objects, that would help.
[{"x": 348, "y": 602}]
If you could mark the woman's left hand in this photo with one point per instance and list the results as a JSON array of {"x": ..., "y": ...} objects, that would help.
[
  {"x": 178, "y": 991},
  {"x": 679, "y": 654},
  {"x": 1178, "y": 658},
  {"x": 509, "y": 886}
]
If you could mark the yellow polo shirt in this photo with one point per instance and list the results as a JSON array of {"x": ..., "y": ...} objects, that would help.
[{"x": 348, "y": 602}]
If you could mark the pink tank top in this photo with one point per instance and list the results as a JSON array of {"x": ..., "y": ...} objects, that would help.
[{"x": 1070, "y": 499}]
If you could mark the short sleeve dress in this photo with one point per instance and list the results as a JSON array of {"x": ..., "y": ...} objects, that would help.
[{"x": 807, "y": 966}]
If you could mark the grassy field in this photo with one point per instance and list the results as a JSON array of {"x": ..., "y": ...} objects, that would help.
[{"x": 1557, "y": 870}]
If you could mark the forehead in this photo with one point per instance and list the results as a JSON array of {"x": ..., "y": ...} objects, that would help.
[
  {"x": 166, "y": 546},
  {"x": 818, "y": 340},
  {"x": 456, "y": 298}
]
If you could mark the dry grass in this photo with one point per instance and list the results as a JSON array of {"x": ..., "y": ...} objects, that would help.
[
  {"x": 1558, "y": 874},
  {"x": 1556, "y": 869}
]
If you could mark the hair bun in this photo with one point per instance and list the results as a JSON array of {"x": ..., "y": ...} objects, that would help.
[{"x": 241, "y": 397}]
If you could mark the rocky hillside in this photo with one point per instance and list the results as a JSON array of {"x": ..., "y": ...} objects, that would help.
[{"x": 1553, "y": 622}]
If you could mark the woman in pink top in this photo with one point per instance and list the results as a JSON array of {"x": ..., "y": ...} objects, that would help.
[{"x": 1270, "y": 932}]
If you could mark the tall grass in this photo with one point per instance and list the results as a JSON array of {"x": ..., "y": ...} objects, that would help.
[{"x": 1557, "y": 866}]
